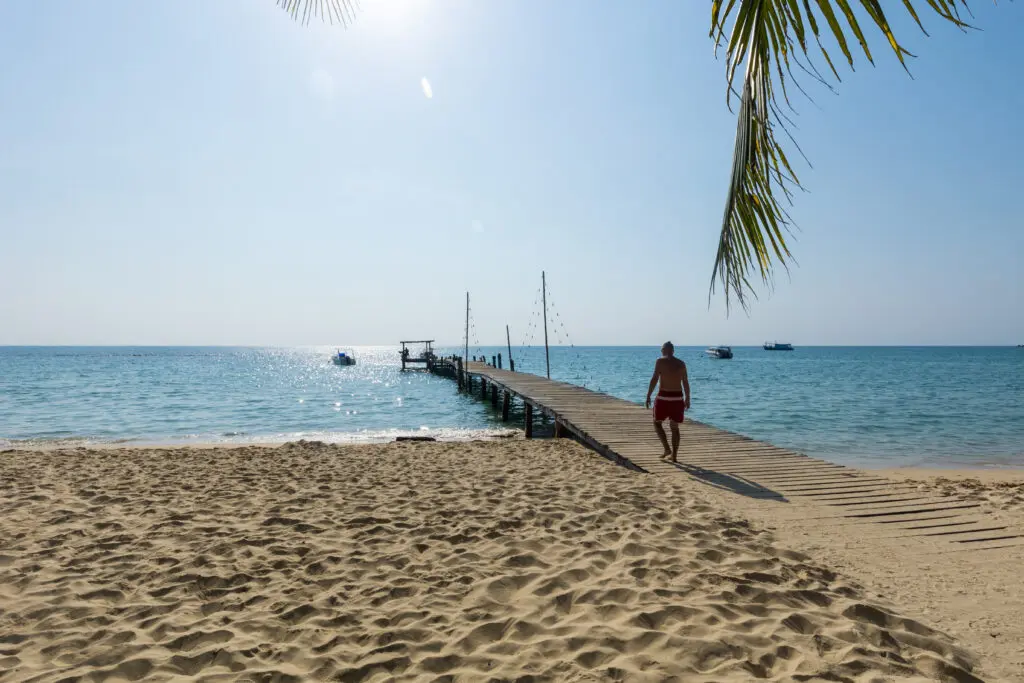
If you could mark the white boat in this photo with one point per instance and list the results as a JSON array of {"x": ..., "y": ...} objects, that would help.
[
  {"x": 342, "y": 358},
  {"x": 719, "y": 352},
  {"x": 777, "y": 346}
]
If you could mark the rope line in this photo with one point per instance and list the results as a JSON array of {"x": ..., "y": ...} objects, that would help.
[{"x": 583, "y": 374}]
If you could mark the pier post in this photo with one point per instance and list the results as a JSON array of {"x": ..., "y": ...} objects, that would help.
[
  {"x": 494, "y": 362},
  {"x": 560, "y": 431},
  {"x": 458, "y": 374},
  {"x": 483, "y": 389},
  {"x": 529, "y": 421},
  {"x": 499, "y": 361},
  {"x": 494, "y": 395},
  {"x": 511, "y": 364},
  {"x": 504, "y": 406}
]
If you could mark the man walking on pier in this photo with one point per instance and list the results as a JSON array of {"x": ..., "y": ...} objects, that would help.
[{"x": 673, "y": 397}]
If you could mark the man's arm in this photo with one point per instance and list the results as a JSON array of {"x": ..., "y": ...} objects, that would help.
[
  {"x": 654, "y": 383},
  {"x": 686, "y": 387}
]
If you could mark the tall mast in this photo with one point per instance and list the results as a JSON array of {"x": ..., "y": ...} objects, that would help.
[
  {"x": 544, "y": 295},
  {"x": 508, "y": 340},
  {"x": 465, "y": 356}
]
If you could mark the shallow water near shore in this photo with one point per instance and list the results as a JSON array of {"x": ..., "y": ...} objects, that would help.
[{"x": 871, "y": 406}]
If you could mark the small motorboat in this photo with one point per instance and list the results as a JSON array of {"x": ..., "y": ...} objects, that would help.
[
  {"x": 342, "y": 358},
  {"x": 719, "y": 352},
  {"x": 777, "y": 346}
]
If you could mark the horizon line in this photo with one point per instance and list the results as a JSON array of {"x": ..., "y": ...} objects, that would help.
[{"x": 482, "y": 346}]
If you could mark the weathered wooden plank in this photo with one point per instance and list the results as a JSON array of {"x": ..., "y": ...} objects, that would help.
[{"x": 813, "y": 490}]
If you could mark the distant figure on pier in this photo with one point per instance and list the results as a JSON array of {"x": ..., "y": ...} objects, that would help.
[{"x": 673, "y": 397}]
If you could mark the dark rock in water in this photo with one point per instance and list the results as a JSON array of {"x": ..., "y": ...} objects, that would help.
[{"x": 415, "y": 438}]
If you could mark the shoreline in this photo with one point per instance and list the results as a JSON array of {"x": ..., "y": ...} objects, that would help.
[{"x": 439, "y": 435}]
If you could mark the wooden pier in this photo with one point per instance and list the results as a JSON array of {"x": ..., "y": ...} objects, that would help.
[{"x": 814, "y": 490}]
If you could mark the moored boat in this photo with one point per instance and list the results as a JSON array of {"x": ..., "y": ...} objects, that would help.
[
  {"x": 342, "y": 358},
  {"x": 777, "y": 346},
  {"x": 719, "y": 352}
]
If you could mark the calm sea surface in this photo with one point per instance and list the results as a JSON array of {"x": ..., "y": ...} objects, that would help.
[{"x": 862, "y": 406}]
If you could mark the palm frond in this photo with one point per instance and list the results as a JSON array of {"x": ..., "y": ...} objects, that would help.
[
  {"x": 769, "y": 37},
  {"x": 332, "y": 11}
]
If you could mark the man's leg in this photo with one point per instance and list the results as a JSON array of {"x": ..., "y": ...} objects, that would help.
[
  {"x": 664, "y": 439},
  {"x": 675, "y": 438}
]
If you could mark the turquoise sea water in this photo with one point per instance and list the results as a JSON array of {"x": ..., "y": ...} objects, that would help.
[{"x": 863, "y": 406}]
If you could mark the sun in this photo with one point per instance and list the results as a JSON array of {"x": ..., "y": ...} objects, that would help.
[{"x": 392, "y": 16}]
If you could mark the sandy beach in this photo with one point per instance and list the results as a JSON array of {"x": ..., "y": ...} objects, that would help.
[
  {"x": 1002, "y": 489},
  {"x": 419, "y": 561}
]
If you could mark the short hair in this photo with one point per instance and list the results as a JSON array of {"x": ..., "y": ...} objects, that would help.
[{"x": 668, "y": 345}]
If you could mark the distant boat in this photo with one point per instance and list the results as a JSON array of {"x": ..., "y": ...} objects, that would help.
[
  {"x": 342, "y": 358},
  {"x": 777, "y": 346},
  {"x": 719, "y": 352}
]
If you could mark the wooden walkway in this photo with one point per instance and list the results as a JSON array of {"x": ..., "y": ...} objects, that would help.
[{"x": 813, "y": 490}]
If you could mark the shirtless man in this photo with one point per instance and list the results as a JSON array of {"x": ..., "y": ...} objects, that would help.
[{"x": 673, "y": 397}]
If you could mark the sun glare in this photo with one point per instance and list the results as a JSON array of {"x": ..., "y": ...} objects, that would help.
[{"x": 392, "y": 16}]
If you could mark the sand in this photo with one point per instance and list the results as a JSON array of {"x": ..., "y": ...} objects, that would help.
[
  {"x": 975, "y": 596},
  {"x": 1001, "y": 489},
  {"x": 477, "y": 561}
]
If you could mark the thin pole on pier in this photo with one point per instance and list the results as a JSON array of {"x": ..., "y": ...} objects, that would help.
[
  {"x": 508, "y": 339},
  {"x": 544, "y": 295},
  {"x": 465, "y": 355}
]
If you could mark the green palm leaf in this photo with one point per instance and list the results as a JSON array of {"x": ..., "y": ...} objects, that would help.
[{"x": 767, "y": 38}]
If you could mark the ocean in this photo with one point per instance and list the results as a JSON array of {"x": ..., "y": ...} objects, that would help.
[{"x": 866, "y": 406}]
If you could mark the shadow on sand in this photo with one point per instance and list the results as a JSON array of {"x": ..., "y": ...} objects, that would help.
[{"x": 730, "y": 482}]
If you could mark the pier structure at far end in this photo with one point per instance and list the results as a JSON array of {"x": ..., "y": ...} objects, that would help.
[{"x": 425, "y": 357}]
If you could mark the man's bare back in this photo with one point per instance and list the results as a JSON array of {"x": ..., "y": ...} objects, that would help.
[
  {"x": 673, "y": 397},
  {"x": 670, "y": 371}
]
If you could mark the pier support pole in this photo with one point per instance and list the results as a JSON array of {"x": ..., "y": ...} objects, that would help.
[
  {"x": 461, "y": 375},
  {"x": 499, "y": 361},
  {"x": 529, "y": 421},
  {"x": 483, "y": 389},
  {"x": 544, "y": 296},
  {"x": 560, "y": 431},
  {"x": 494, "y": 395},
  {"x": 504, "y": 406}
]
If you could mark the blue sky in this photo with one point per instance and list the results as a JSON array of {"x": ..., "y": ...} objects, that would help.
[{"x": 214, "y": 173}]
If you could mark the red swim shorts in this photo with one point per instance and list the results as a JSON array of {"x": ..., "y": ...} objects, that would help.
[{"x": 669, "y": 405}]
